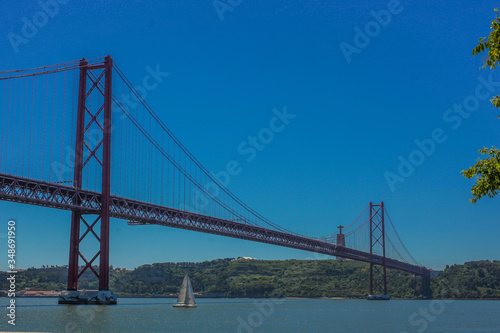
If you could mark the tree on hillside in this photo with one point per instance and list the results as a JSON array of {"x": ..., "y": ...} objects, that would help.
[{"x": 487, "y": 170}]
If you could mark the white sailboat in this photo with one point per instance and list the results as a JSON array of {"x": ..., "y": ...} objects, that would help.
[{"x": 186, "y": 295}]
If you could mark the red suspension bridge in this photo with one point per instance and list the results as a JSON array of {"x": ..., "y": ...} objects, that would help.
[{"x": 92, "y": 145}]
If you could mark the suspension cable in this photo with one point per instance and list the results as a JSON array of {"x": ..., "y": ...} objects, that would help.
[
  {"x": 191, "y": 157},
  {"x": 399, "y": 238}
]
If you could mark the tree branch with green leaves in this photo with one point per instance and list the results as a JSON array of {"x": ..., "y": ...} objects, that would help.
[
  {"x": 492, "y": 45},
  {"x": 487, "y": 170}
]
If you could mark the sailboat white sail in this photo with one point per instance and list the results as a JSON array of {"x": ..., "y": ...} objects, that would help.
[{"x": 186, "y": 295}]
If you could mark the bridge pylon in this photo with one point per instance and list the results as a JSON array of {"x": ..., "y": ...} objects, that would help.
[
  {"x": 378, "y": 272},
  {"x": 92, "y": 157},
  {"x": 422, "y": 287}
]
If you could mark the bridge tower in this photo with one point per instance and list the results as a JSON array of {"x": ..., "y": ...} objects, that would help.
[
  {"x": 378, "y": 272},
  {"x": 92, "y": 152},
  {"x": 422, "y": 286}
]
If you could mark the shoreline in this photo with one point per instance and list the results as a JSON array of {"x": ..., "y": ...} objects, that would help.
[{"x": 290, "y": 298}]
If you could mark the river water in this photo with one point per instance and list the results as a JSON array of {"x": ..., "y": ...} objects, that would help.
[{"x": 255, "y": 315}]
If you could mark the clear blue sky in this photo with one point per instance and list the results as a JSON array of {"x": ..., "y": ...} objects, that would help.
[{"x": 354, "y": 119}]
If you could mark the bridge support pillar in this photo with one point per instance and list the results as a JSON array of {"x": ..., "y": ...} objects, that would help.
[
  {"x": 378, "y": 272},
  {"x": 92, "y": 152},
  {"x": 426, "y": 286},
  {"x": 422, "y": 287}
]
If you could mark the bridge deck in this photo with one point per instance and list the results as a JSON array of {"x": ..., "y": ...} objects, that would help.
[{"x": 35, "y": 192}]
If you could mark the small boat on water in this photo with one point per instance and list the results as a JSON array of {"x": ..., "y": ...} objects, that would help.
[
  {"x": 186, "y": 295},
  {"x": 378, "y": 297}
]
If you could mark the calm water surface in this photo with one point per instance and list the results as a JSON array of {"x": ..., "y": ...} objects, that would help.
[{"x": 247, "y": 315}]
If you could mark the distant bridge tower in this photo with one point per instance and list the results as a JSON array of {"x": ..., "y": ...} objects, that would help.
[{"x": 378, "y": 271}]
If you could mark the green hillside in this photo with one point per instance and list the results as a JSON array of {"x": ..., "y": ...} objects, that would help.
[{"x": 272, "y": 278}]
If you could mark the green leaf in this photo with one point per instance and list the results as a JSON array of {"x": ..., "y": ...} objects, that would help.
[{"x": 487, "y": 174}]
